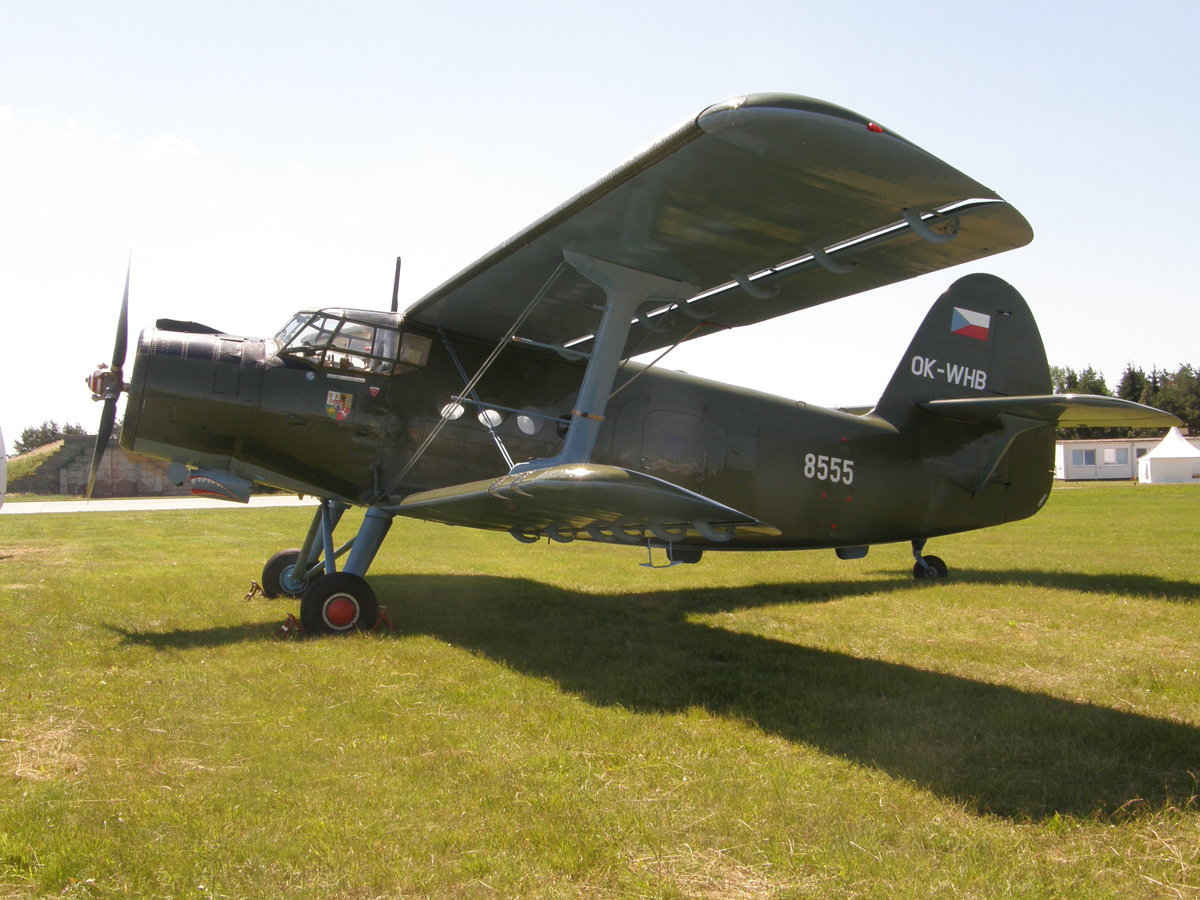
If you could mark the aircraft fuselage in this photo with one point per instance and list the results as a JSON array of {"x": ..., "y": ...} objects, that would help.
[{"x": 824, "y": 478}]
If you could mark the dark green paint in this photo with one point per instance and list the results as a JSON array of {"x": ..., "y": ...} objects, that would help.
[
  {"x": 913, "y": 470},
  {"x": 812, "y": 200}
]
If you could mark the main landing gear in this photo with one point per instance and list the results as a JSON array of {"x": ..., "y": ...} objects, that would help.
[
  {"x": 331, "y": 602},
  {"x": 926, "y": 566}
]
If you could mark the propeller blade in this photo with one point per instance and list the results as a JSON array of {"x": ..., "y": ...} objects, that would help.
[
  {"x": 107, "y": 418},
  {"x": 112, "y": 393},
  {"x": 120, "y": 346}
]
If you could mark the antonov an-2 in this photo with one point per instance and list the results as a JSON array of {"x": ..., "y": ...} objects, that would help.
[{"x": 505, "y": 399}]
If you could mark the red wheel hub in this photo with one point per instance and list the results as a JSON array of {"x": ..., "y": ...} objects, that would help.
[{"x": 341, "y": 611}]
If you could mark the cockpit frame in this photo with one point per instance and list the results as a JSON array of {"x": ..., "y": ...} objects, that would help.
[{"x": 353, "y": 341}]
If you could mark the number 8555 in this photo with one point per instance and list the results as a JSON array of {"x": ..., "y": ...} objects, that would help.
[{"x": 825, "y": 468}]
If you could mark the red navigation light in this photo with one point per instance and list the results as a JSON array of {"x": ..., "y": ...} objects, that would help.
[{"x": 871, "y": 126}]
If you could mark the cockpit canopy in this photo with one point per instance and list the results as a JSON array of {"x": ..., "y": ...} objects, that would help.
[{"x": 353, "y": 340}]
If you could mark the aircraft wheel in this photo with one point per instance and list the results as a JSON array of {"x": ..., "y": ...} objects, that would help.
[
  {"x": 939, "y": 569},
  {"x": 278, "y": 575},
  {"x": 337, "y": 604}
]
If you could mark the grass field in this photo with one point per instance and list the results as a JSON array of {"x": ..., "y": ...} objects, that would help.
[{"x": 553, "y": 721}]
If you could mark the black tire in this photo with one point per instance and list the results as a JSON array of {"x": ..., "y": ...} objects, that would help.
[
  {"x": 276, "y": 572},
  {"x": 939, "y": 569},
  {"x": 338, "y": 604}
]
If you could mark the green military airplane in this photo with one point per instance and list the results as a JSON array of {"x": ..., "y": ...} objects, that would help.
[{"x": 505, "y": 399}]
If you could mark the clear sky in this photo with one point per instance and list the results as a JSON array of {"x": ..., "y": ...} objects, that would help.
[{"x": 263, "y": 157}]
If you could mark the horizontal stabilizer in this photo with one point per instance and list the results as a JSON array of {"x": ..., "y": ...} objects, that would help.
[
  {"x": 589, "y": 502},
  {"x": 1060, "y": 410}
]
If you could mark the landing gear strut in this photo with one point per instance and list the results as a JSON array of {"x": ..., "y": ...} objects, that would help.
[
  {"x": 331, "y": 602},
  {"x": 926, "y": 566}
]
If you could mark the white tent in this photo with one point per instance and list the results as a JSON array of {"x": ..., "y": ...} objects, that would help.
[{"x": 1174, "y": 460}]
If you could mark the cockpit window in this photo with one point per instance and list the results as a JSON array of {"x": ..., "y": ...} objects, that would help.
[
  {"x": 353, "y": 341},
  {"x": 289, "y": 330}
]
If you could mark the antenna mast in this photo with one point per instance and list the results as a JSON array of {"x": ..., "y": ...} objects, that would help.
[{"x": 396, "y": 288}]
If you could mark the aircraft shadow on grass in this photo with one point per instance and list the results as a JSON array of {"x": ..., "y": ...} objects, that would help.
[
  {"x": 995, "y": 749},
  {"x": 1121, "y": 583}
]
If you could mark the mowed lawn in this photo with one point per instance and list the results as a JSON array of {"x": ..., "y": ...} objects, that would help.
[{"x": 554, "y": 721}]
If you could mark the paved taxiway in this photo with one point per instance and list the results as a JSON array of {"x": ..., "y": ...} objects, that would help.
[{"x": 138, "y": 504}]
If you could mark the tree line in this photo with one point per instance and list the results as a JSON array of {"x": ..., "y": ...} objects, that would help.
[
  {"x": 47, "y": 433},
  {"x": 1176, "y": 392}
]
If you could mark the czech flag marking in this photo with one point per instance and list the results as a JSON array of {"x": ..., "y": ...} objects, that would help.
[{"x": 972, "y": 324}]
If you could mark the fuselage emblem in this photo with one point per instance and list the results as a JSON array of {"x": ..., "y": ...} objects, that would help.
[{"x": 337, "y": 405}]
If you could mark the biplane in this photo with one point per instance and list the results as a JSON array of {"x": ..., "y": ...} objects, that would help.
[{"x": 507, "y": 398}]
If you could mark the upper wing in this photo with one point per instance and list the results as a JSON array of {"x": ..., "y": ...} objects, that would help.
[
  {"x": 1061, "y": 410},
  {"x": 770, "y": 203}
]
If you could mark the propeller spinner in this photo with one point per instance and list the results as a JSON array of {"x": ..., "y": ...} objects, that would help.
[{"x": 107, "y": 384}]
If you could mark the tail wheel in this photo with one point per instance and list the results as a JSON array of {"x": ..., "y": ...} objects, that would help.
[
  {"x": 936, "y": 568},
  {"x": 338, "y": 604},
  {"x": 279, "y": 576}
]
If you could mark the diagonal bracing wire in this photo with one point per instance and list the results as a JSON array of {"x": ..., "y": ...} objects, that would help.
[
  {"x": 487, "y": 364},
  {"x": 658, "y": 358},
  {"x": 462, "y": 373}
]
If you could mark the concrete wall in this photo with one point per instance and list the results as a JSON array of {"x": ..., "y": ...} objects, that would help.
[{"x": 121, "y": 474}]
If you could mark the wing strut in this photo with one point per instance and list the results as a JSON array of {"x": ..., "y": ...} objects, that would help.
[
  {"x": 487, "y": 364},
  {"x": 626, "y": 290}
]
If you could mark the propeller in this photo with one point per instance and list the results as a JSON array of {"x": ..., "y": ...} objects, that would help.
[{"x": 106, "y": 384}]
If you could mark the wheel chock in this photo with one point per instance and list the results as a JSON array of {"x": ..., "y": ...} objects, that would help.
[
  {"x": 255, "y": 591},
  {"x": 290, "y": 627},
  {"x": 382, "y": 620}
]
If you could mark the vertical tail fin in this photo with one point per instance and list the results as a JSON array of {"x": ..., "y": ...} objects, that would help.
[{"x": 978, "y": 340}]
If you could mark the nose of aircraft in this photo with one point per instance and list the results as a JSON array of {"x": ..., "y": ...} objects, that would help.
[{"x": 193, "y": 396}]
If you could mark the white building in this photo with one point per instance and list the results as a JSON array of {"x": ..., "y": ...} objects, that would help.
[{"x": 1103, "y": 459}]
